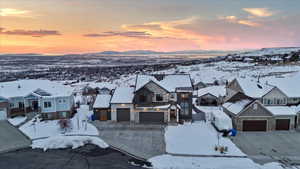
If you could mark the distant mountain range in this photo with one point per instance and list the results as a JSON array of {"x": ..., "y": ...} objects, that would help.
[{"x": 262, "y": 51}]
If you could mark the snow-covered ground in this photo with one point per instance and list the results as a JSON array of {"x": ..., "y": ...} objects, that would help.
[
  {"x": 198, "y": 139},
  {"x": 48, "y": 128},
  {"x": 17, "y": 120},
  {"x": 175, "y": 162},
  {"x": 48, "y": 135}
]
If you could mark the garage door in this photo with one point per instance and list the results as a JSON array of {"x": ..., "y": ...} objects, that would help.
[
  {"x": 255, "y": 125},
  {"x": 282, "y": 124},
  {"x": 123, "y": 114},
  {"x": 151, "y": 117},
  {"x": 3, "y": 114}
]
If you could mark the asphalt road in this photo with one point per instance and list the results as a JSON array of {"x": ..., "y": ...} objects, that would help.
[
  {"x": 11, "y": 138},
  {"x": 87, "y": 157},
  {"x": 264, "y": 147}
]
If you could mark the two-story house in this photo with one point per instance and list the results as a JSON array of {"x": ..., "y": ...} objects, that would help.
[
  {"x": 271, "y": 110},
  {"x": 50, "y": 99},
  {"x": 159, "y": 98}
]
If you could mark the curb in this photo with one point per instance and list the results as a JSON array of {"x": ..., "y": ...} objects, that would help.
[{"x": 199, "y": 155}]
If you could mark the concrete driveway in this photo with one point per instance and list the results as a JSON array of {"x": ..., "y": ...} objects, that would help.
[
  {"x": 265, "y": 147},
  {"x": 143, "y": 141},
  {"x": 11, "y": 138}
]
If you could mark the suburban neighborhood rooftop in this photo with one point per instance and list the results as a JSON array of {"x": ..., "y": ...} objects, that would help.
[
  {"x": 123, "y": 95},
  {"x": 170, "y": 82},
  {"x": 25, "y": 87}
]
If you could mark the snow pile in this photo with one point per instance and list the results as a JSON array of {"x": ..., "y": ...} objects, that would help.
[
  {"x": 57, "y": 142},
  {"x": 172, "y": 162},
  {"x": 17, "y": 120},
  {"x": 197, "y": 139}
]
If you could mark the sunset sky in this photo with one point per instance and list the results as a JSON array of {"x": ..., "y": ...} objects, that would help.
[{"x": 80, "y": 26}]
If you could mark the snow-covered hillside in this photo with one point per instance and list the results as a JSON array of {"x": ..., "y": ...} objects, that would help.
[{"x": 269, "y": 51}]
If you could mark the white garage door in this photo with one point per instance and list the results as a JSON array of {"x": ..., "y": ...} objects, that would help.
[{"x": 3, "y": 114}]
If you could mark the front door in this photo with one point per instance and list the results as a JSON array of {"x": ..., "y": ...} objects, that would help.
[
  {"x": 35, "y": 105},
  {"x": 103, "y": 116}
]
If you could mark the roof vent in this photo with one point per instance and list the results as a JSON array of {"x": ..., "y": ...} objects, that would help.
[
  {"x": 19, "y": 86},
  {"x": 259, "y": 86}
]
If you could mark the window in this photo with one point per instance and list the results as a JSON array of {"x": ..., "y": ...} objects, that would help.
[
  {"x": 255, "y": 106},
  {"x": 63, "y": 114},
  {"x": 184, "y": 108},
  {"x": 184, "y": 96},
  {"x": 47, "y": 104},
  {"x": 11, "y": 105},
  {"x": 159, "y": 98},
  {"x": 21, "y": 105},
  {"x": 142, "y": 98}
]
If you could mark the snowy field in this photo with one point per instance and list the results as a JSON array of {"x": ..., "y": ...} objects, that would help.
[
  {"x": 211, "y": 72},
  {"x": 197, "y": 139}
]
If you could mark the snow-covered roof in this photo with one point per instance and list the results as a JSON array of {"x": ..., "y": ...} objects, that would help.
[
  {"x": 169, "y": 82},
  {"x": 23, "y": 88},
  {"x": 281, "y": 110},
  {"x": 123, "y": 95},
  {"x": 236, "y": 107},
  {"x": 102, "y": 101},
  {"x": 213, "y": 90},
  {"x": 252, "y": 88},
  {"x": 288, "y": 85}
]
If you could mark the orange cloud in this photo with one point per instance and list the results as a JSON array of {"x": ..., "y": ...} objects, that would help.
[
  {"x": 259, "y": 12},
  {"x": 234, "y": 19}
]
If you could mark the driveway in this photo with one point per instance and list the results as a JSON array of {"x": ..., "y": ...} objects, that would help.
[
  {"x": 265, "y": 147},
  {"x": 11, "y": 138},
  {"x": 143, "y": 141}
]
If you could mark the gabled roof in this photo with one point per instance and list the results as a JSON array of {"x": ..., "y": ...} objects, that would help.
[
  {"x": 169, "y": 82},
  {"x": 238, "y": 102},
  {"x": 22, "y": 88},
  {"x": 213, "y": 90},
  {"x": 123, "y": 95},
  {"x": 253, "y": 88},
  {"x": 238, "y": 97},
  {"x": 102, "y": 101},
  {"x": 288, "y": 85},
  {"x": 281, "y": 110}
]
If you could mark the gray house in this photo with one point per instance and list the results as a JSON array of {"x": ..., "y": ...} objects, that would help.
[
  {"x": 249, "y": 114},
  {"x": 163, "y": 98},
  {"x": 159, "y": 98}
]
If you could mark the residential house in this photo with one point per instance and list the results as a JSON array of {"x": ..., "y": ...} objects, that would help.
[
  {"x": 50, "y": 99},
  {"x": 210, "y": 96},
  {"x": 270, "y": 105},
  {"x": 156, "y": 98},
  {"x": 101, "y": 107}
]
